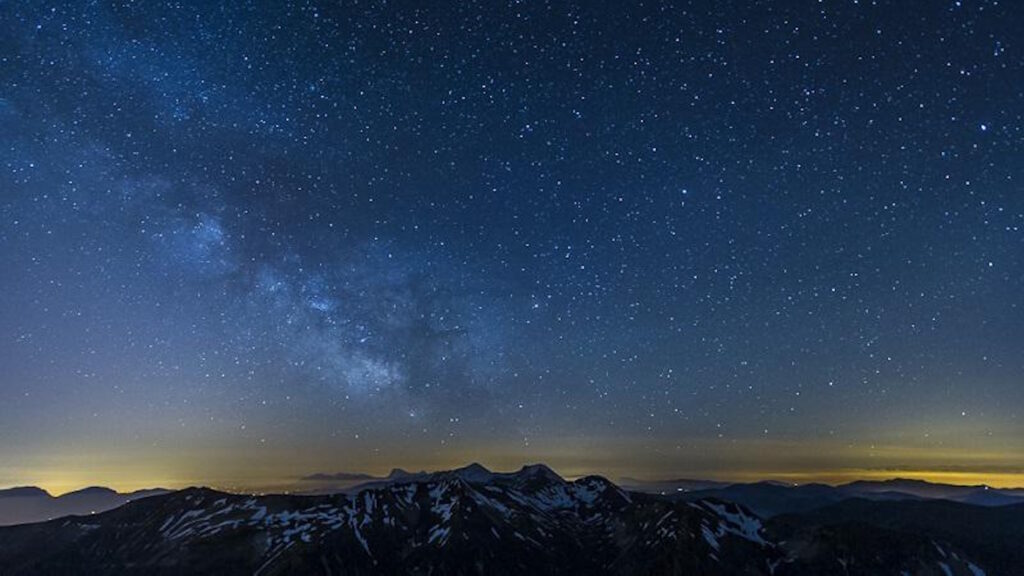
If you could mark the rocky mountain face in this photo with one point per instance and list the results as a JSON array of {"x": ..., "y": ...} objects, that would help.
[{"x": 463, "y": 522}]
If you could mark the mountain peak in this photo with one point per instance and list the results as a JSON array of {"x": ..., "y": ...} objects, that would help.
[
  {"x": 538, "y": 470},
  {"x": 475, "y": 472},
  {"x": 911, "y": 481},
  {"x": 337, "y": 477},
  {"x": 403, "y": 474},
  {"x": 92, "y": 491},
  {"x": 397, "y": 473},
  {"x": 24, "y": 491}
]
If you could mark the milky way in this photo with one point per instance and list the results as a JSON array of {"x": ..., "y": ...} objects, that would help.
[{"x": 249, "y": 242}]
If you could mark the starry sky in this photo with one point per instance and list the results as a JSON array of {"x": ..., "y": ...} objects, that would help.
[{"x": 724, "y": 239}]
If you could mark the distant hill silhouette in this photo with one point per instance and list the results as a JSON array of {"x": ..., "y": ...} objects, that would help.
[
  {"x": 31, "y": 504},
  {"x": 772, "y": 498}
]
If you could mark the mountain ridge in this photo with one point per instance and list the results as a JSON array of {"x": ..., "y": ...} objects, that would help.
[
  {"x": 772, "y": 498},
  {"x": 471, "y": 520}
]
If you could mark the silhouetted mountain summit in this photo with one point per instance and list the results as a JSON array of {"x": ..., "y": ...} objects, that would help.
[
  {"x": 90, "y": 491},
  {"x": 24, "y": 492},
  {"x": 538, "y": 470},
  {"x": 472, "y": 473},
  {"x": 397, "y": 473}
]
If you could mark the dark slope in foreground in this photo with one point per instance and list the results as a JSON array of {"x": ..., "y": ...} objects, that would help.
[
  {"x": 468, "y": 521},
  {"x": 993, "y": 536}
]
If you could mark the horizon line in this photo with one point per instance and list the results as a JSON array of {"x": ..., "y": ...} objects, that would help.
[{"x": 294, "y": 485}]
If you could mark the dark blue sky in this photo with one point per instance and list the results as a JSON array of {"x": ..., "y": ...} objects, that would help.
[{"x": 732, "y": 239}]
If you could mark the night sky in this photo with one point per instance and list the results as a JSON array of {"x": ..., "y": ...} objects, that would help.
[{"x": 720, "y": 239}]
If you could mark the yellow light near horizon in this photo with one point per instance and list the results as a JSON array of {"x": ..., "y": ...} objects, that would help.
[
  {"x": 750, "y": 461},
  {"x": 63, "y": 483},
  {"x": 995, "y": 480}
]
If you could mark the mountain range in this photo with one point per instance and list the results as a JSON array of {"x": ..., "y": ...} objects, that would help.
[
  {"x": 766, "y": 498},
  {"x": 532, "y": 521},
  {"x": 331, "y": 483},
  {"x": 31, "y": 504},
  {"x": 769, "y": 499}
]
